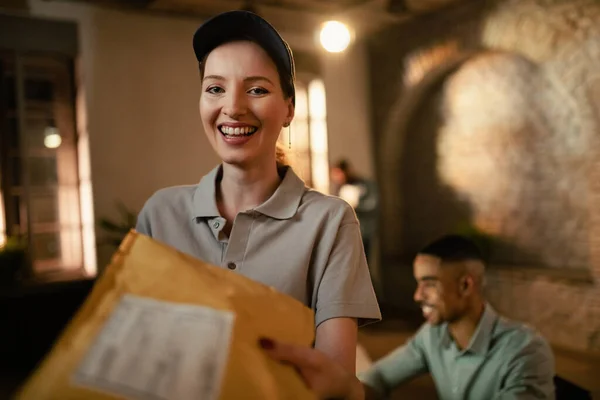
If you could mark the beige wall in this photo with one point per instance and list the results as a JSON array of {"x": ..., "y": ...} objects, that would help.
[
  {"x": 348, "y": 107},
  {"x": 141, "y": 90}
]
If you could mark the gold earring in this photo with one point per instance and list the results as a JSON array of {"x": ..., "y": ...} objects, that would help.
[{"x": 290, "y": 136}]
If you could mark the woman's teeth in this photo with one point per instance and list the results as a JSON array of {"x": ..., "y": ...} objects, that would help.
[{"x": 243, "y": 131}]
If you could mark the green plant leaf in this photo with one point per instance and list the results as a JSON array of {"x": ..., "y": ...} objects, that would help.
[
  {"x": 117, "y": 229},
  {"x": 110, "y": 226}
]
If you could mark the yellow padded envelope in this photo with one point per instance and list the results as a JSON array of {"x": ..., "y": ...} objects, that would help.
[{"x": 159, "y": 324}]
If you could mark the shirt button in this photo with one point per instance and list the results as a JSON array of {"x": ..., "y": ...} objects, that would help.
[
  {"x": 231, "y": 265},
  {"x": 217, "y": 225}
]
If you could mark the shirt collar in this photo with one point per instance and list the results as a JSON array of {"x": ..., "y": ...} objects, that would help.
[
  {"x": 283, "y": 204},
  {"x": 204, "y": 202},
  {"x": 480, "y": 342}
]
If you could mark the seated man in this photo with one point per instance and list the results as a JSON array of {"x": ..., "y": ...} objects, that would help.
[{"x": 471, "y": 352}]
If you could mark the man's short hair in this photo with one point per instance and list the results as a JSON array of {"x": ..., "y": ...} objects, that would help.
[
  {"x": 453, "y": 248},
  {"x": 343, "y": 165}
]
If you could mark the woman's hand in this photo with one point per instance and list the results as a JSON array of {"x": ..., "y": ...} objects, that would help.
[{"x": 326, "y": 378}]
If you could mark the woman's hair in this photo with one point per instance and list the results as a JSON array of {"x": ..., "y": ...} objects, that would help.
[{"x": 281, "y": 155}]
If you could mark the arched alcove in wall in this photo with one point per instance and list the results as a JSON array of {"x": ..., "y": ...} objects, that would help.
[
  {"x": 488, "y": 141},
  {"x": 409, "y": 111}
]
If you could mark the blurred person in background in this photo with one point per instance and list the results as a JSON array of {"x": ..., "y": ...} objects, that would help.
[{"x": 361, "y": 193}]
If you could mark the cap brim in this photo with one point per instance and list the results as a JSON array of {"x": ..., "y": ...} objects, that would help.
[{"x": 241, "y": 25}]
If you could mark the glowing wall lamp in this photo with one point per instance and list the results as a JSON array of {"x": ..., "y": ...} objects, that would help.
[
  {"x": 335, "y": 36},
  {"x": 52, "y": 139}
]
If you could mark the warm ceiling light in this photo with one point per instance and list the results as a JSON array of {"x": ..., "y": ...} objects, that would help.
[
  {"x": 335, "y": 36},
  {"x": 52, "y": 139}
]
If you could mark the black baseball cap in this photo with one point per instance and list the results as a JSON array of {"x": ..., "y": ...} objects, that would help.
[{"x": 246, "y": 25}]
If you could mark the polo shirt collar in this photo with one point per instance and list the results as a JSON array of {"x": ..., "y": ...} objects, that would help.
[
  {"x": 480, "y": 342},
  {"x": 283, "y": 204},
  {"x": 204, "y": 202}
]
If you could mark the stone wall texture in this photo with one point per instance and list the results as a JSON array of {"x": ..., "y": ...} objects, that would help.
[{"x": 502, "y": 132}]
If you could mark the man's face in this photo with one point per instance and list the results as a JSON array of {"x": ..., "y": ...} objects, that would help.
[
  {"x": 338, "y": 176},
  {"x": 438, "y": 289}
]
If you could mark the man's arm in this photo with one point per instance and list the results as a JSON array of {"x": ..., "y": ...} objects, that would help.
[
  {"x": 530, "y": 374},
  {"x": 397, "y": 367}
]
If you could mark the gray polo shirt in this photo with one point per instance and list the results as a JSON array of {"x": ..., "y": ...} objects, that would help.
[
  {"x": 504, "y": 360},
  {"x": 301, "y": 242}
]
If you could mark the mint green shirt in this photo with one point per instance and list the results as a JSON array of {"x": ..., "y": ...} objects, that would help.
[{"x": 504, "y": 360}]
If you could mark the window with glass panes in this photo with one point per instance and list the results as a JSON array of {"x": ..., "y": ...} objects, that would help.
[
  {"x": 39, "y": 176},
  {"x": 308, "y": 152}
]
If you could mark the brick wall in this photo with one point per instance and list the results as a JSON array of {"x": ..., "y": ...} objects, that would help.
[{"x": 500, "y": 128}]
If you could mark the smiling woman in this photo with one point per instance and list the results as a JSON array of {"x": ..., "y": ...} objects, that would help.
[
  {"x": 304, "y": 244},
  {"x": 242, "y": 105}
]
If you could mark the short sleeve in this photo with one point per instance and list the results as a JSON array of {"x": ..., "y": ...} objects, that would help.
[{"x": 346, "y": 289}]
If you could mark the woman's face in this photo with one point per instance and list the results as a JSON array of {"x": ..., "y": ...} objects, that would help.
[{"x": 242, "y": 105}]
